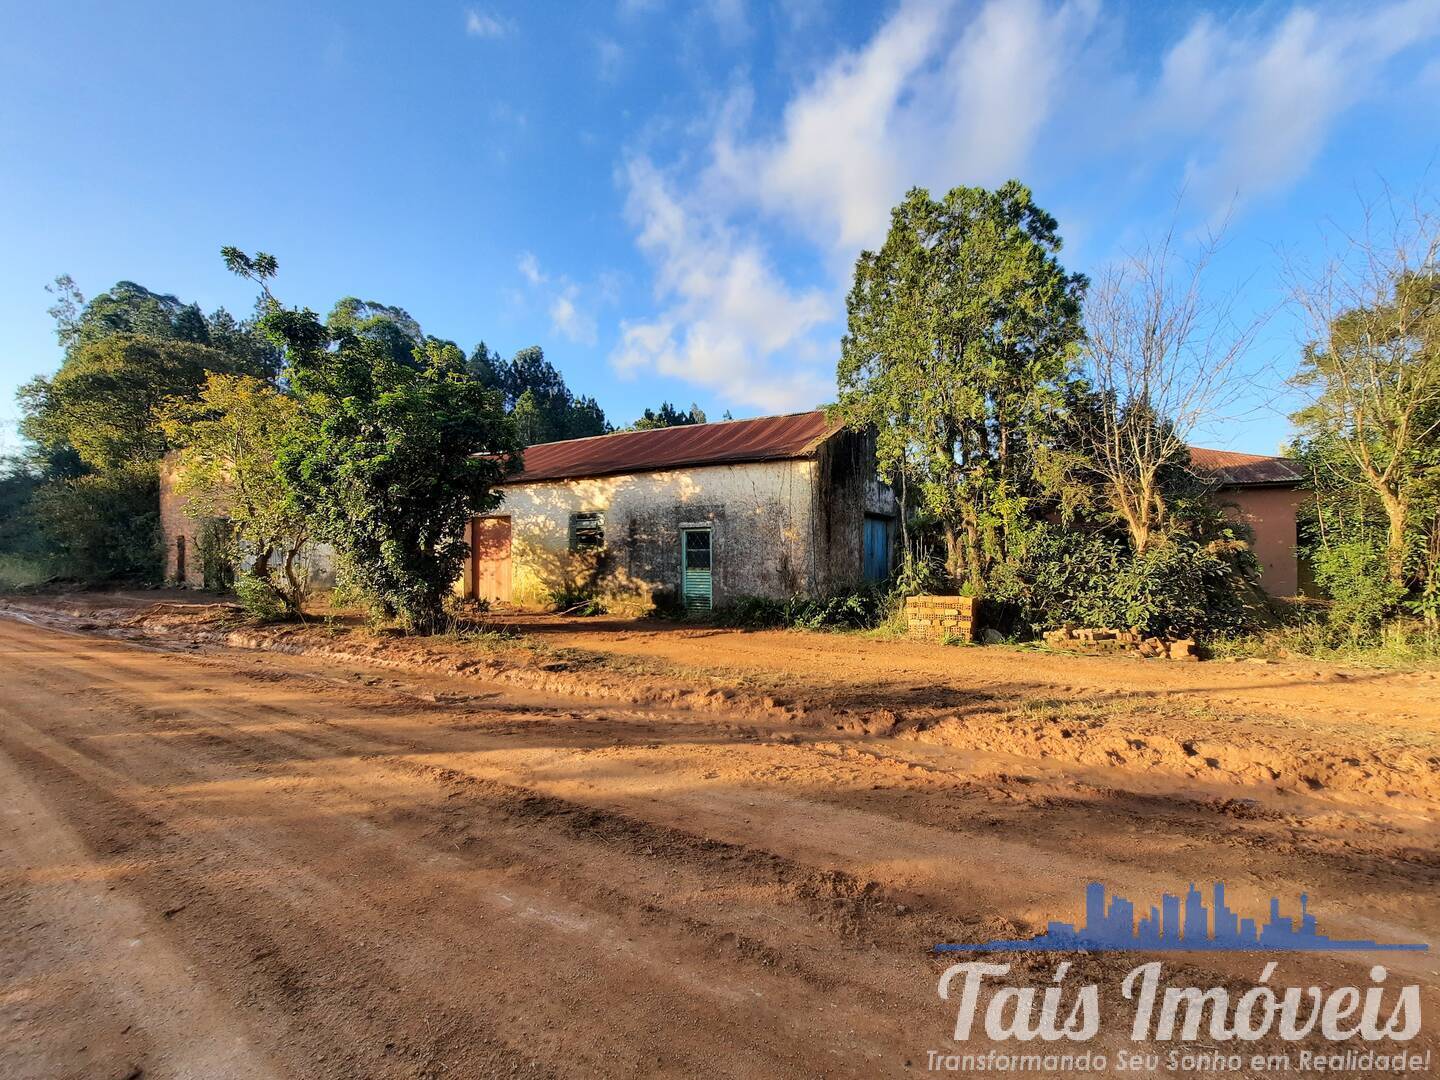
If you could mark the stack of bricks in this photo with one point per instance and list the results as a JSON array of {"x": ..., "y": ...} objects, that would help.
[
  {"x": 1105, "y": 640},
  {"x": 941, "y": 618}
]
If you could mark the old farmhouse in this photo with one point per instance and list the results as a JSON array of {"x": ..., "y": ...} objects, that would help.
[
  {"x": 698, "y": 515},
  {"x": 703, "y": 514}
]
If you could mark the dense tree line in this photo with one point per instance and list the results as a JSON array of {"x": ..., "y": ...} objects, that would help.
[
  {"x": 93, "y": 428},
  {"x": 969, "y": 354},
  {"x": 669, "y": 416}
]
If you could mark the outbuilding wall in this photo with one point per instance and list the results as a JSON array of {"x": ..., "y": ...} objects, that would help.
[
  {"x": 779, "y": 528},
  {"x": 175, "y": 523},
  {"x": 847, "y": 489},
  {"x": 317, "y": 561},
  {"x": 1271, "y": 514},
  {"x": 762, "y": 517}
]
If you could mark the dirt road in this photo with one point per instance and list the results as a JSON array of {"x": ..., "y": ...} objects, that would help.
[{"x": 221, "y": 863}]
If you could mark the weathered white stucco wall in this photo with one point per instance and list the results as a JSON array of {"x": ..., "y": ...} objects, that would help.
[{"x": 762, "y": 516}]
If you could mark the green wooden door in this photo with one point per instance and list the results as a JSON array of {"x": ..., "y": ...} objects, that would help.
[{"x": 695, "y": 564}]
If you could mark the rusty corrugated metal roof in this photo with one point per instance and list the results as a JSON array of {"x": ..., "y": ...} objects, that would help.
[
  {"x": 727, "y": 442},
  {"x": 1233, "y": 469},
  {"x": 779, "y": 438}
]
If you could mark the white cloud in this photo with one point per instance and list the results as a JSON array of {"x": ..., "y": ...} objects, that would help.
[
  {"x": 729, "y": 17},
  {"x": 1254, "y": 103},
  {"x": 928, "y": 100},
  {"x": 947, "y": 93},
  {"x": 485, "y": 24},
  {"x": 530, "y": 268},
  {"x": 563, "y": 299},
  {"x": 728, "y": 321},
  {"x": 569, "y": 321}
]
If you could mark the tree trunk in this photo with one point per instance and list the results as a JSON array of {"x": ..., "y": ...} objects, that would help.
[
  {"x": 1398, "y": 513},
  {"x": 292, "y": 594},
  {"x": 974, "y": 575},
  {"x": 1136, "y": 523},
  {"x": 1140, "y": 536},
  {"x": 954, "y": 555}
]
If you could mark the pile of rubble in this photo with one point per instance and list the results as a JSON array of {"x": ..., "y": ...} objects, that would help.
[{"x": 1132, "y": 642}]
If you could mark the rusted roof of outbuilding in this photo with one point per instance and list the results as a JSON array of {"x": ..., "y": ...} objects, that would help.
[
  {"x": 727, "y": 442},
  {"x": 1233, "y": 469},
  {"x": 781, "y": 438}
]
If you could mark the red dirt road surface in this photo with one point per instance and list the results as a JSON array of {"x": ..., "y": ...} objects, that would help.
[{"x": 360, "y": 861}]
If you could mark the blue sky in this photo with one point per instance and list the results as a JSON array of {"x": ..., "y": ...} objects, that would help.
[{"x": 669, "y": 197}]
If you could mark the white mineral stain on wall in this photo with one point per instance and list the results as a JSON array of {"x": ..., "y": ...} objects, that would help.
[{"x": 761, "y": 515}]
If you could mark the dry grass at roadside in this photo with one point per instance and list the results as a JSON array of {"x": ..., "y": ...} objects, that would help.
[{"x": 1401, "y": 645}]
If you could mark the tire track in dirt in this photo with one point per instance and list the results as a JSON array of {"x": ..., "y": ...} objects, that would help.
[
  {"x": 258, "y": 937},
  {"x": 1115, "y": 713},
  {"x": 833, "y": 898},
  {"x": 325, "y": 838},
  {"x": 150, "y": 1015},
  {"x": 289, "y": 983},
  {"x": 1284, "y": 859}
]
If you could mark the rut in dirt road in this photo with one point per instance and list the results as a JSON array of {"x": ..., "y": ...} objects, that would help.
[
  {"x": 360, "y": 882},
  {"x": 387, "y": 919}
]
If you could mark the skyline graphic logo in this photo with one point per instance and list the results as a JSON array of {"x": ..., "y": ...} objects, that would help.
[{"x": 1114, "y": 928}]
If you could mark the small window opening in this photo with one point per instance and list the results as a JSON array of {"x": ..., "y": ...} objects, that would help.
[{"x": 587, "y": 532}]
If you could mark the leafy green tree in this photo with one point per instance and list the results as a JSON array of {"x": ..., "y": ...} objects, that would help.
[
  {"x": 126, "y": 350},
  {"x": 125, "y": 308},
  {"x": 963, "y": 330},
  {"x": 1373, "y": 423},
  {"x": 668, "y": 416},
  {"x": 19, "y": 532},
  {"x": 486, "y": 366},
  {"x": 542, "y": 406},
  {"x": 230, "y": 442},
  {"x": 103, "y": 401},
  {"x": 390, "y": 460},
  {"x": 250, "y": 351},
  {"x": 392, "y": 327},
  {"x": 128, "y": 308},
  {"x": 104, "y": 526}
]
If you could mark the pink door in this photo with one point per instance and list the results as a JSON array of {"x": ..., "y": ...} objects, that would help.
[{"x": 490, "y": 552}]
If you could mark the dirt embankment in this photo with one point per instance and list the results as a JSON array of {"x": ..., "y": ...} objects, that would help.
[{"x": 1349, "y": 734}]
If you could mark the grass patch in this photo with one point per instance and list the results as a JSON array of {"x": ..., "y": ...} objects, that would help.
[
  {"x": 18, "y": 571},
  {"x": 1398, "y": 644},
  {"x": 491, "y": 639}
]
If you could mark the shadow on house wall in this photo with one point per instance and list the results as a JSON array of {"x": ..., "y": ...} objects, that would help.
[{"x": 767, "y": 526}]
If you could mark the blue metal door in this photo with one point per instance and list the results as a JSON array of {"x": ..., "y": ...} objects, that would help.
[
  {"x": 877, "y": 548},
  {"x": 695, "y": 563}
]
